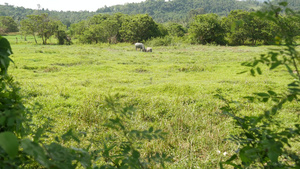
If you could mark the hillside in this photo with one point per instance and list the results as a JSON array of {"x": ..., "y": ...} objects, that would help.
[
  {"x": 68, "y": 17},
  {"x": 179, "y": 10},
  {"x": 160, "y": 10}
]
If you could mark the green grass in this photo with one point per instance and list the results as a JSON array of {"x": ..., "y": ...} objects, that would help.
[{"x": 172, "y": 89}]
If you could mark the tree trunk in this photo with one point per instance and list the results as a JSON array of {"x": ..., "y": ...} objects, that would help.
[
  {"x": 34, "y": 38},
  {"x": 43, "y": 40}
]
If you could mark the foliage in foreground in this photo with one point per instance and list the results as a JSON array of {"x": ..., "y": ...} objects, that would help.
[
  {"x": 21, "y": 147},
  {"x": 263, "y": 140}
]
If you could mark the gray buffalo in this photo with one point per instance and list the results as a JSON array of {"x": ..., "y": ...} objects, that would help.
[{"x": 140, "y": 46}]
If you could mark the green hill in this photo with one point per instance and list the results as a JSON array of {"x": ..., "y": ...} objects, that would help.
[
  {"x": 67, "y": 17},
  {"x": 178, "y": 10},
  {"x": 160, "y": 10}
]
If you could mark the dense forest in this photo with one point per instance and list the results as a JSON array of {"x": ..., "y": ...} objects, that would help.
[
  {"x": 67, "y": 17},
  {"x": 180, "y": 10},
  {"x": 161, "y": 11}
]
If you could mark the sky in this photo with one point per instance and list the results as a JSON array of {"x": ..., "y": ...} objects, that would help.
[{"x": 66, "y": 5}]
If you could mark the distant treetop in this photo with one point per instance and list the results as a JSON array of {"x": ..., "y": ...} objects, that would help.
[{"x": 180, "y": 11}]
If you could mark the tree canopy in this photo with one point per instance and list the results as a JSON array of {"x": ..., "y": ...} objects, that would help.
[
  {"x": 161, "y": 11},
  {"x": 138, "y": 28},
  {"x": 207, "y": 29},
  {"x": 180, "y": 10},
  {"x": 7, "y": 24},
  {"x": 41, "y": 25}
]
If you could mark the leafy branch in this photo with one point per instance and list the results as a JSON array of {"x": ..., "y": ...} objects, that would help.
[{"x": 263, "y": 141}]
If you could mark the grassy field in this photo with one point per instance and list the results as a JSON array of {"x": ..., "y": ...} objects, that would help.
[{"x": 172, "y": 89}]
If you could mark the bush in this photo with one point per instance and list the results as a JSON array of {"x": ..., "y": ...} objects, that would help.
[
  {"x": 166, "y": 41},
  {"x": 207, "y": 29},
  {"x": 160, "y": 41},
  {"x": 13, "y": 114},
  {"x": 263, "y": 140}
]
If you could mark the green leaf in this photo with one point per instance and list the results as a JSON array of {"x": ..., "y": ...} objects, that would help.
[
  {"x": 9, "y": 142},
  {"x": 35, "y": 150},
  {"x": 289, "y": 69},
  {"x": 274, "y": 152},
  {"x": 274, "y": 65},
  {"x": 38, "y": 134},
  {"x": 150, "y": 130},
  {"x": 264, "y": 95},
  {"x": 246, "y": 64},
  {"x": 272, "y": 93},
  {"x": 229, "y": 162},
  {"x": 233, "y": 157},
  {"x": 248, "y": 154},
  {"x": 258, "y": 70},
  {"x": 5, "y": 45},
  {"x": 250, "y": 98},
  {"x": 294, "y": 84},
  {"x": 274, "y": 56},
  {"x": 2, "y": 120},
  {"x": 243, "y": 72},
  {"x": 255, "y": 63},
  {"x": 136, "y": 154},
  {"x": 5, "y": 51},
  {"x": 252, "y": 72},
  {"x": 70, "y": 135},
  {"x": 291, "y": 98},
  {"x": 221, "y": 165}
]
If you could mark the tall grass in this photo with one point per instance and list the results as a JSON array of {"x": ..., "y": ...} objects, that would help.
[{"x": 171, "y": 88}]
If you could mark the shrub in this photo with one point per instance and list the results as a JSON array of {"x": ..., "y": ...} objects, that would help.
[
  {"x": 166, "y": 41},
  {"x": 207, "y": 29},
  {"x": 263, "y": 140}
]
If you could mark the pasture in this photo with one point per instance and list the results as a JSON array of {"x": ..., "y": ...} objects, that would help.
[{"x": 171, "y": 88}]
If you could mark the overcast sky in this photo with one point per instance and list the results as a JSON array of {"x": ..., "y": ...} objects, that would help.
[{"x": 66, "y": 5}]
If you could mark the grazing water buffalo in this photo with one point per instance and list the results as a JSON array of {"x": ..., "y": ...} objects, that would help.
[
  {"x": 140, "y": 46},
  {"x": 149, "y": 49}
]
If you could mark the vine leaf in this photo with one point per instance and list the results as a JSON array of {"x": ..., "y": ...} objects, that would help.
[{"x": 9, "y": 143}]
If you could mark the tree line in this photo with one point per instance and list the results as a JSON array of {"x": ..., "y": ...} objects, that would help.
[
  {"x": 179, "y": 11},
  {"x": 240, "y": 27},
  {"x": 66, "y": 17}
]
